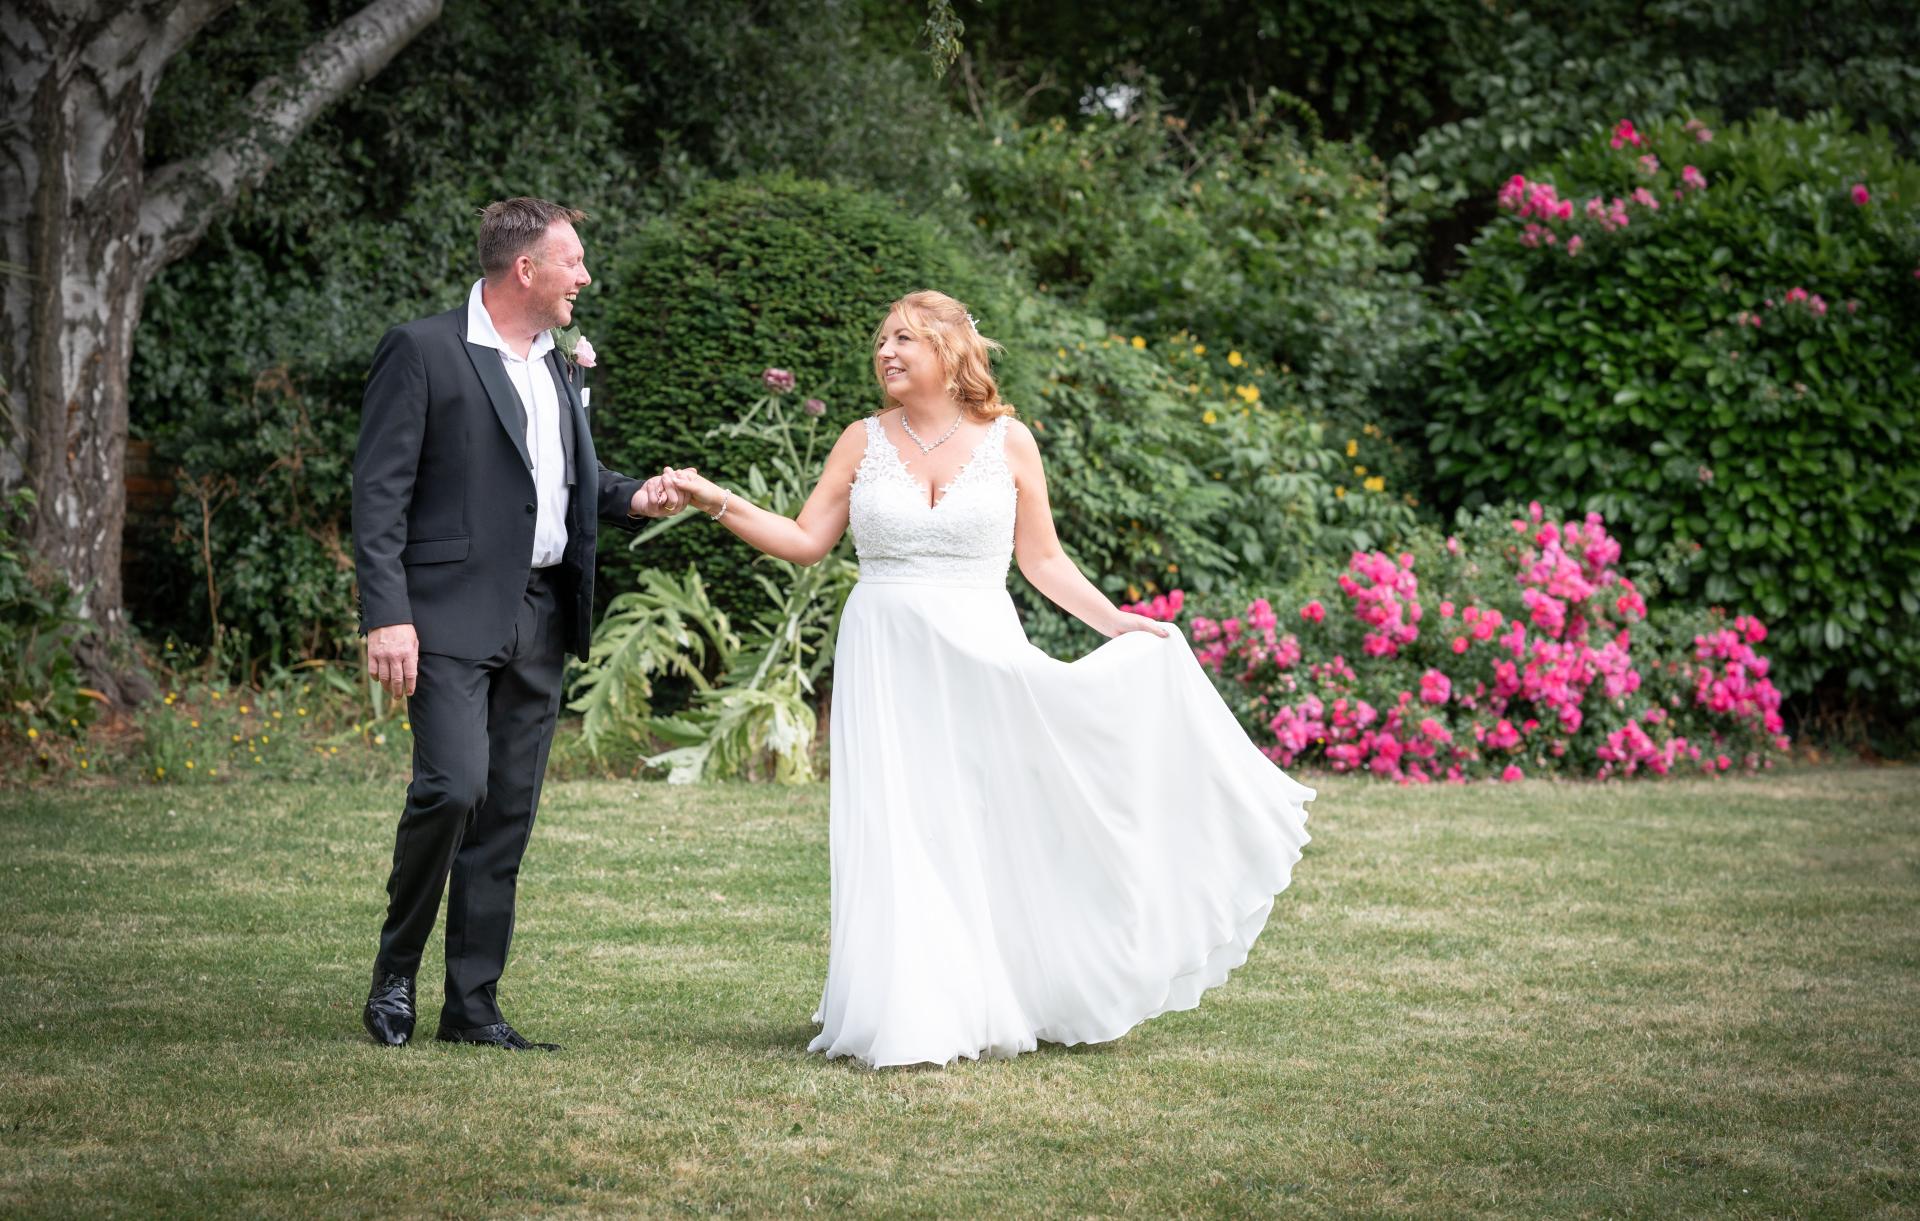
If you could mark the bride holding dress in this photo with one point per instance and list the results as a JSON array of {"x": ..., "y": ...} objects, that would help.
[{"x": 1023, "y": 849}]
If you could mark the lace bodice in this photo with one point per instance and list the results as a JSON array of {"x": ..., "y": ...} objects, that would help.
[{"x": 966, "y": 538}]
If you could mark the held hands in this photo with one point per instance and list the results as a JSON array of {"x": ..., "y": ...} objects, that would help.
[
  {"x": 393, "y": 658},
  {"x": 658, "y": 497},
  {"x": 696, "y": 489}
]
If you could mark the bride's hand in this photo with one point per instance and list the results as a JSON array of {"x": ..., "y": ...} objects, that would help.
[{"x": 1126, "y": 621}]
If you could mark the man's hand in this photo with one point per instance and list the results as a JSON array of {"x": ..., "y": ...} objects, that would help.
[
  {"x": 658, "y": 497},
  {"x": 393, "y": 657}
]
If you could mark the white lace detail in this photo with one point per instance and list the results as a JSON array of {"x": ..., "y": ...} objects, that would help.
[{"x": 965, "y": 538}]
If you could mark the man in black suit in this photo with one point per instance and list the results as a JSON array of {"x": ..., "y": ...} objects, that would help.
[{"x": 475, "y": 496}]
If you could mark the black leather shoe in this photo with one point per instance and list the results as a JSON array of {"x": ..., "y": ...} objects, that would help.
[
  {"x": 500, "y": 1035},
  {"x": 389, "y": 1013}
]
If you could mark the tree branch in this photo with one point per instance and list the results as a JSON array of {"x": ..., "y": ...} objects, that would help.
[{"x": 183, "y": 198}]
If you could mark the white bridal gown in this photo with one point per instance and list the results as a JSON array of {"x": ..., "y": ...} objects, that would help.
[{"x": 1023, "y": 849}]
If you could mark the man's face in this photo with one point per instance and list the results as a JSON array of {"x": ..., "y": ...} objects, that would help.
[{"x": 559, "y": 273}]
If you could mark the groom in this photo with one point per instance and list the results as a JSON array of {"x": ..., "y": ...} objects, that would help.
[{"x": 475, "y": 494}]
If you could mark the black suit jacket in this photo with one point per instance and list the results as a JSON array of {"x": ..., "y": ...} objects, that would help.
[{"x": 443, "y": 497}]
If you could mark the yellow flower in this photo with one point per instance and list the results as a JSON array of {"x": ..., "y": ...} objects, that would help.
[
  {"x": 1353, "y": 447},
  {"x": 407, "y": 725},
  {"x": 216, "y": 695},
  {"x": 32, "y": 733},
  {"x": 1138, "y": 342},
  {"x": 169, "y": 646},
  {"x": 244, "y": 708},
  {"x": 193, "y": 724},
  {"x": 276, "y": 714},
  {"x": 1193, "y": 387},
  {"x": 74, "y": 721},
  {"x": 379, "y": 739},
  {"x": 1199, "y": 349},
  {"x": 1250, "y": 393},
  {"x": 1209, "y": 417},
  {"x": 1173, "y": 568},
  {"x": 1235, "y": 359},
  {"x": 1377, "y": 484},
  {"x": 301, "y": 711},
  {"x": 83, "y": 765},
  {"x": 1060, "y": 352},
  {"x": 1359, "y": 470},
  {"x": 236, "y": 737},
  {"x": 189, "y": 765},
  {"x": 1133, "y": 593},
  {"x": 213, "y": 771},
  {"x": 1340, "y": 493},
  {"x": 256, "y": 758},
  {"x": 158, "y": 772}
]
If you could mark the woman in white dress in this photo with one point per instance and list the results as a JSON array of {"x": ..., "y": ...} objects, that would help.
[{"x": 1022, "y": 849}]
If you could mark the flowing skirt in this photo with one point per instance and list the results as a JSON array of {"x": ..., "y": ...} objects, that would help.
[{"x": 1026, "y": 849}]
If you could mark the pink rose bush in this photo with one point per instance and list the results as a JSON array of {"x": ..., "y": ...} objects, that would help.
[{"x": 1519, "y": 649}]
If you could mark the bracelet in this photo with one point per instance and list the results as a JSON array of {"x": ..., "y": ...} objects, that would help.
[{"x": 728, "y": 496}]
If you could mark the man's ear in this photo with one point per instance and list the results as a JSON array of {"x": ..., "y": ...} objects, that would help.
[{"x": 523, "y": 270}]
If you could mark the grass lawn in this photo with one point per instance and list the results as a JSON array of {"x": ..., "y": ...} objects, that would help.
[{"x": 1529, "y": 999}]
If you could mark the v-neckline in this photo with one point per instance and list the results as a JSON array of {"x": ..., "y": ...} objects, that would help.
[{"x": 943, "y": 493}]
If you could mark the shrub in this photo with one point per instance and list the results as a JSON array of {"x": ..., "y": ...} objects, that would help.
[
  {"x": 1705, "y": 335},
  {"x": 1246, "y": 233},
  {"x": 1514, "y": 647}
]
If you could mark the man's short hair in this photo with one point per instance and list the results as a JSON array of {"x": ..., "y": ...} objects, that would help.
[{"x": 513, "y": 227}]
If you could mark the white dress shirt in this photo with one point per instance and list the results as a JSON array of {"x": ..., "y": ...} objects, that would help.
[{"x": 533, "y": 380}]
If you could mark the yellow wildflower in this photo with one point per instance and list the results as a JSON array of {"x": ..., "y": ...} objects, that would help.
[
  {"x": 244, "y": 708},
  {"x": 1376, "y": 484},
  {"x": 1353, "y": 447},
  {"x": 301, "y": 711},
  {"x": 1133, "y": 593},
  {"x": 1060, "y": 352},
  {"x": 159, "y": 772},
  {"x": 1139, "y": 342},
  {"x": 1209, "y": 417},
  {"x": 193, "y": 724},
  {"x": 1250, "y": 393},
  {"x": 32, "y": 733},
  {"x": 1359, "y": 470},
  {"x": 1199, "y": 349},
  {"x": 189, "y": 765},
  {"x": 1340, "y": 493},
  {"x": 407, "y": 725},
  {"x": 1235, "y": 359},
  {"x": 83, "y": 765}
]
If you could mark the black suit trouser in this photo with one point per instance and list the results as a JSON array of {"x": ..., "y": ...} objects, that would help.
[{"x": 481, "y": 732}]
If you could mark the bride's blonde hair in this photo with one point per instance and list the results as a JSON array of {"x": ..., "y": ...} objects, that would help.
[{"x": 964, "y": 352}]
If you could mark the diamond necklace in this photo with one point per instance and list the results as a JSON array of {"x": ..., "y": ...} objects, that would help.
[{"x": 924, "y": 447}]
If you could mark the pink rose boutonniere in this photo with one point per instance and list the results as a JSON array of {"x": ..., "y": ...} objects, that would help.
[{"x": 579, "y": 354}]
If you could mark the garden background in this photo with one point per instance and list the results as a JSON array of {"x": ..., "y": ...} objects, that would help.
[{"x": 1492, "y": 391}]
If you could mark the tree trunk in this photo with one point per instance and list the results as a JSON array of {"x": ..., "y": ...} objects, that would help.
[{"x": 85, "y": 228}]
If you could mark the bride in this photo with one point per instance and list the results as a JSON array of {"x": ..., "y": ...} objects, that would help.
[{"x": 1022, "y": 849}]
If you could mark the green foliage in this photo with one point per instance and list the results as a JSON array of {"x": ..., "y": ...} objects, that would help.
[
  {"x": 40, "y": 627},
  {"x": 1169, "y": 464},
  {"x": 1633, "y": 380},
  {"x": 665, "y": 627},
  {"x": 1244, "y": 235}
]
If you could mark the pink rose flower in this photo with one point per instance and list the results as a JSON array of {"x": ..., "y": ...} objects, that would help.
[
  {"x": 583, "y": 353},
  {"x": 1860, "y": 196},
  {"x": 1511, "y": 774}
]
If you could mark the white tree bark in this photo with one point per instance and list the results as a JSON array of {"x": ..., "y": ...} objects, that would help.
[{"x": 90, "y": 228}]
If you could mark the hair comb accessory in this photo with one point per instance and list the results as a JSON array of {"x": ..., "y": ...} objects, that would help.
[{"x": 974, "y": 323}]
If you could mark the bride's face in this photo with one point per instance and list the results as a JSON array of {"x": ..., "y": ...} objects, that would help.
[{"x": 905, "y": 363}]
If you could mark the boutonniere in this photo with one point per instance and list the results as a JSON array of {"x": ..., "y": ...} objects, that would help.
[{"x": 575, "y": 347}]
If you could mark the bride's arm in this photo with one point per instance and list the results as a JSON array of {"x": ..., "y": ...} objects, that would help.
[
  {"x": 803, "y": 540},
  {"x": 1043, "y": 561}
]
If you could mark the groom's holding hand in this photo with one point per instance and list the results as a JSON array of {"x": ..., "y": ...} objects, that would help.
[{"x": 475, "y": 494}]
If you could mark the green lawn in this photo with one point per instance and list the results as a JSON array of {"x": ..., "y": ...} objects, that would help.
[{"x": 1530, "y": 999}]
